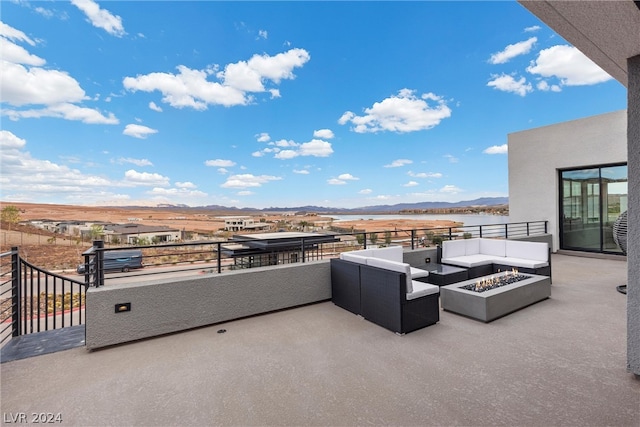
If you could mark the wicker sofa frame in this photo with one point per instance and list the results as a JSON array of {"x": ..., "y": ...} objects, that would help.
[{"x": 379, "y": 296}]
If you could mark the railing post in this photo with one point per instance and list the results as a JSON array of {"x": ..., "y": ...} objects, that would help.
[
  {"x": 99, "y": 244},
  {"x": 15, "y": 292},
  {"x": 527, "y": 228},
  {"x": 545, "y": 227},
  {"x": 506, "y": 231},
  {"x": 303, "y": 251},
  {"x": 364, "y": 240},
  {"x": 219, "y": 257},
  {"x": 480, "y": 232},
  {"x": 450, "y": 234},
  {"x": 413, "y": 237}
]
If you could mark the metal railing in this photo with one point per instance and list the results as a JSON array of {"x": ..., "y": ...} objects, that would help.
[
  {"x": 35, "y": 300},
  {"x": 212, "y": 257}
]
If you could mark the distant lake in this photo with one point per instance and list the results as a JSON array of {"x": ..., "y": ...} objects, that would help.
[{"x": 468, "y": 219}]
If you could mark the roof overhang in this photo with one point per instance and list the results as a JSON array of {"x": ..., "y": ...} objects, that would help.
[{"x": 607, "y": 31}]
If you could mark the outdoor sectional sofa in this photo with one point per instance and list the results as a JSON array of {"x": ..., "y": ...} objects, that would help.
[
  {"x": 483, "y": 256},
  {"x": 377, "y": 285}
]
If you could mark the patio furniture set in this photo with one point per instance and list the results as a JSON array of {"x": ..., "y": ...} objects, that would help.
[{"x": 377, "y": 285}]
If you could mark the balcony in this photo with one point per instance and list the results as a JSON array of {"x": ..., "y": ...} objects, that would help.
[{"x": 559, "y": 362}]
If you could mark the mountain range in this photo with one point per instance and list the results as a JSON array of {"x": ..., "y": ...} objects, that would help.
[{"x": 484, "y": 201}]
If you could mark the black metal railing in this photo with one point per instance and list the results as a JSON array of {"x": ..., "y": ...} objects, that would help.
[
  {"x": 34, "y": 300},
  {"x": 216, "y": 257}
]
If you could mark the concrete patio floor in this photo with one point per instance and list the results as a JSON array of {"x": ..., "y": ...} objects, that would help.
[{"x": 560, "y": 362}]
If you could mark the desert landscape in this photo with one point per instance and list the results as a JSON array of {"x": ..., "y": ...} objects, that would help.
[{"x": 49, "y": 250}]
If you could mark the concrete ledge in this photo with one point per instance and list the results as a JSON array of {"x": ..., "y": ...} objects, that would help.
[
  {"x": 495, "y": 303},
  {"x": 159, "y": 307}
]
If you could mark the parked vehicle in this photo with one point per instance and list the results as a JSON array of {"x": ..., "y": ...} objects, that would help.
[{"x": 117, "y": 261}]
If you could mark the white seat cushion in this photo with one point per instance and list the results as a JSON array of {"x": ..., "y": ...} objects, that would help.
[
  {"x": 421, "y": 289},
  {"x": 400, "y": 267},
  {"x": 522, "y": 262},
  {"x": 469, "y": 261}
]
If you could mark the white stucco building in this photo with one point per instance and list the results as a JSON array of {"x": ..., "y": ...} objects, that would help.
[{"x": 562, "y": 174}]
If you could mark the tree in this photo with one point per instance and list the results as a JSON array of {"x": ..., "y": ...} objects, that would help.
[
  {"x": 373, "y": 238},
  {"x": 11, "y": 214},
  {"x": 96, "y": 231},
  {"x": 387, "y": 237}
]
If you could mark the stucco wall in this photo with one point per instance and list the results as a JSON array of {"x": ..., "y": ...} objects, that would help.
[
  {"x": 163, "y": 306},
  {"x": 633, "y": 240},
  {"x": 535, "y": 156}
]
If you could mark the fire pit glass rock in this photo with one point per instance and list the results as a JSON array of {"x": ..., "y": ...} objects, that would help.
[{"x": 492, "y": 282}]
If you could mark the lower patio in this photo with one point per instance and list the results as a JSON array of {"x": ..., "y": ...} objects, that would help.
[{"x": 561, "y": 361}]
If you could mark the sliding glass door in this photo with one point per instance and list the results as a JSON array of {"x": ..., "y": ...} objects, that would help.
[{"x": 591, "y": 200}]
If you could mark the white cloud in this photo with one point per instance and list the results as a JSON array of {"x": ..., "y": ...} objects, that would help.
[
  {"x": 283, "y": 143},
  {"x": 186, "y": 184},
  {"x": 450, "y": 189},
  {"x": 223, "y": 171},
  {"x": 21, "y": 86},
  {"x": 24, "y": 83},
  {"x": 176, "y": 192},
  {"x": 263, "y": 34},
  {"x": 424, "y": 174},
  {"x": 347, "y": 177},
  {"x": 410, "y": 184},
  {"x": 137, "y": 162},
  {"x": 43, "y": 178},
  {"x": 507, "y": 83},
  {"x": 220, "y": 163},
  {"x": 263, "y": 137},
  {"x": 245, "y": 193},
  {"x": 513, "y": 50},
  {"x": 154, "y": 107},
  {"x": 13, "y": 53},
  {"x": 8, "y": 32},
  {"x": 544, "y": 86},
  {"x": 64, "y": 111},
  {"x": 398, "y": 163},
  {"x": 8, "y": 141},
  {"x": 451, "y": 158},
  {"x": 192, "y": 89},
  {"x": 323, "y": 134},
  {"x": 248, "y": 180},
  {"x": 497, "y": 149},
  {"x": 301, "y": 171},
  {"x": 315, "y": 148},
  {"x": 404, "y": 112},
  {"x": 101, "y": 18},
  {"x": 145, "y": 178},
  {"x": 336, "y": 181},
  {"x": 342, "y": 179},
  {"x": 365, "y": 191},
  {"x": 569, "y": 65},
  {"x": 532, "y": 29},
  {"x": 138, "y": 131}
]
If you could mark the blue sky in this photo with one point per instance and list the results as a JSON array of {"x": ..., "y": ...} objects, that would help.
[{"x": 261, "y": 104}]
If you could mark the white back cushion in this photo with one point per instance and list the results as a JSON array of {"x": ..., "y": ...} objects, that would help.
[
  {"x": 349, "y": 256},
  {"x": 537, "y": 251},
  {"x": 391, "y": 253},
  {"x": 493, "y": 247},
  {"x": 471, "y": 246},
  {"x": 400, "y": 267},
  {"x": 453, "y": 248}
]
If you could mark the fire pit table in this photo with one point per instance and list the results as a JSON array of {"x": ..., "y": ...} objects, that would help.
[{"x": 490, "y": 297}]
